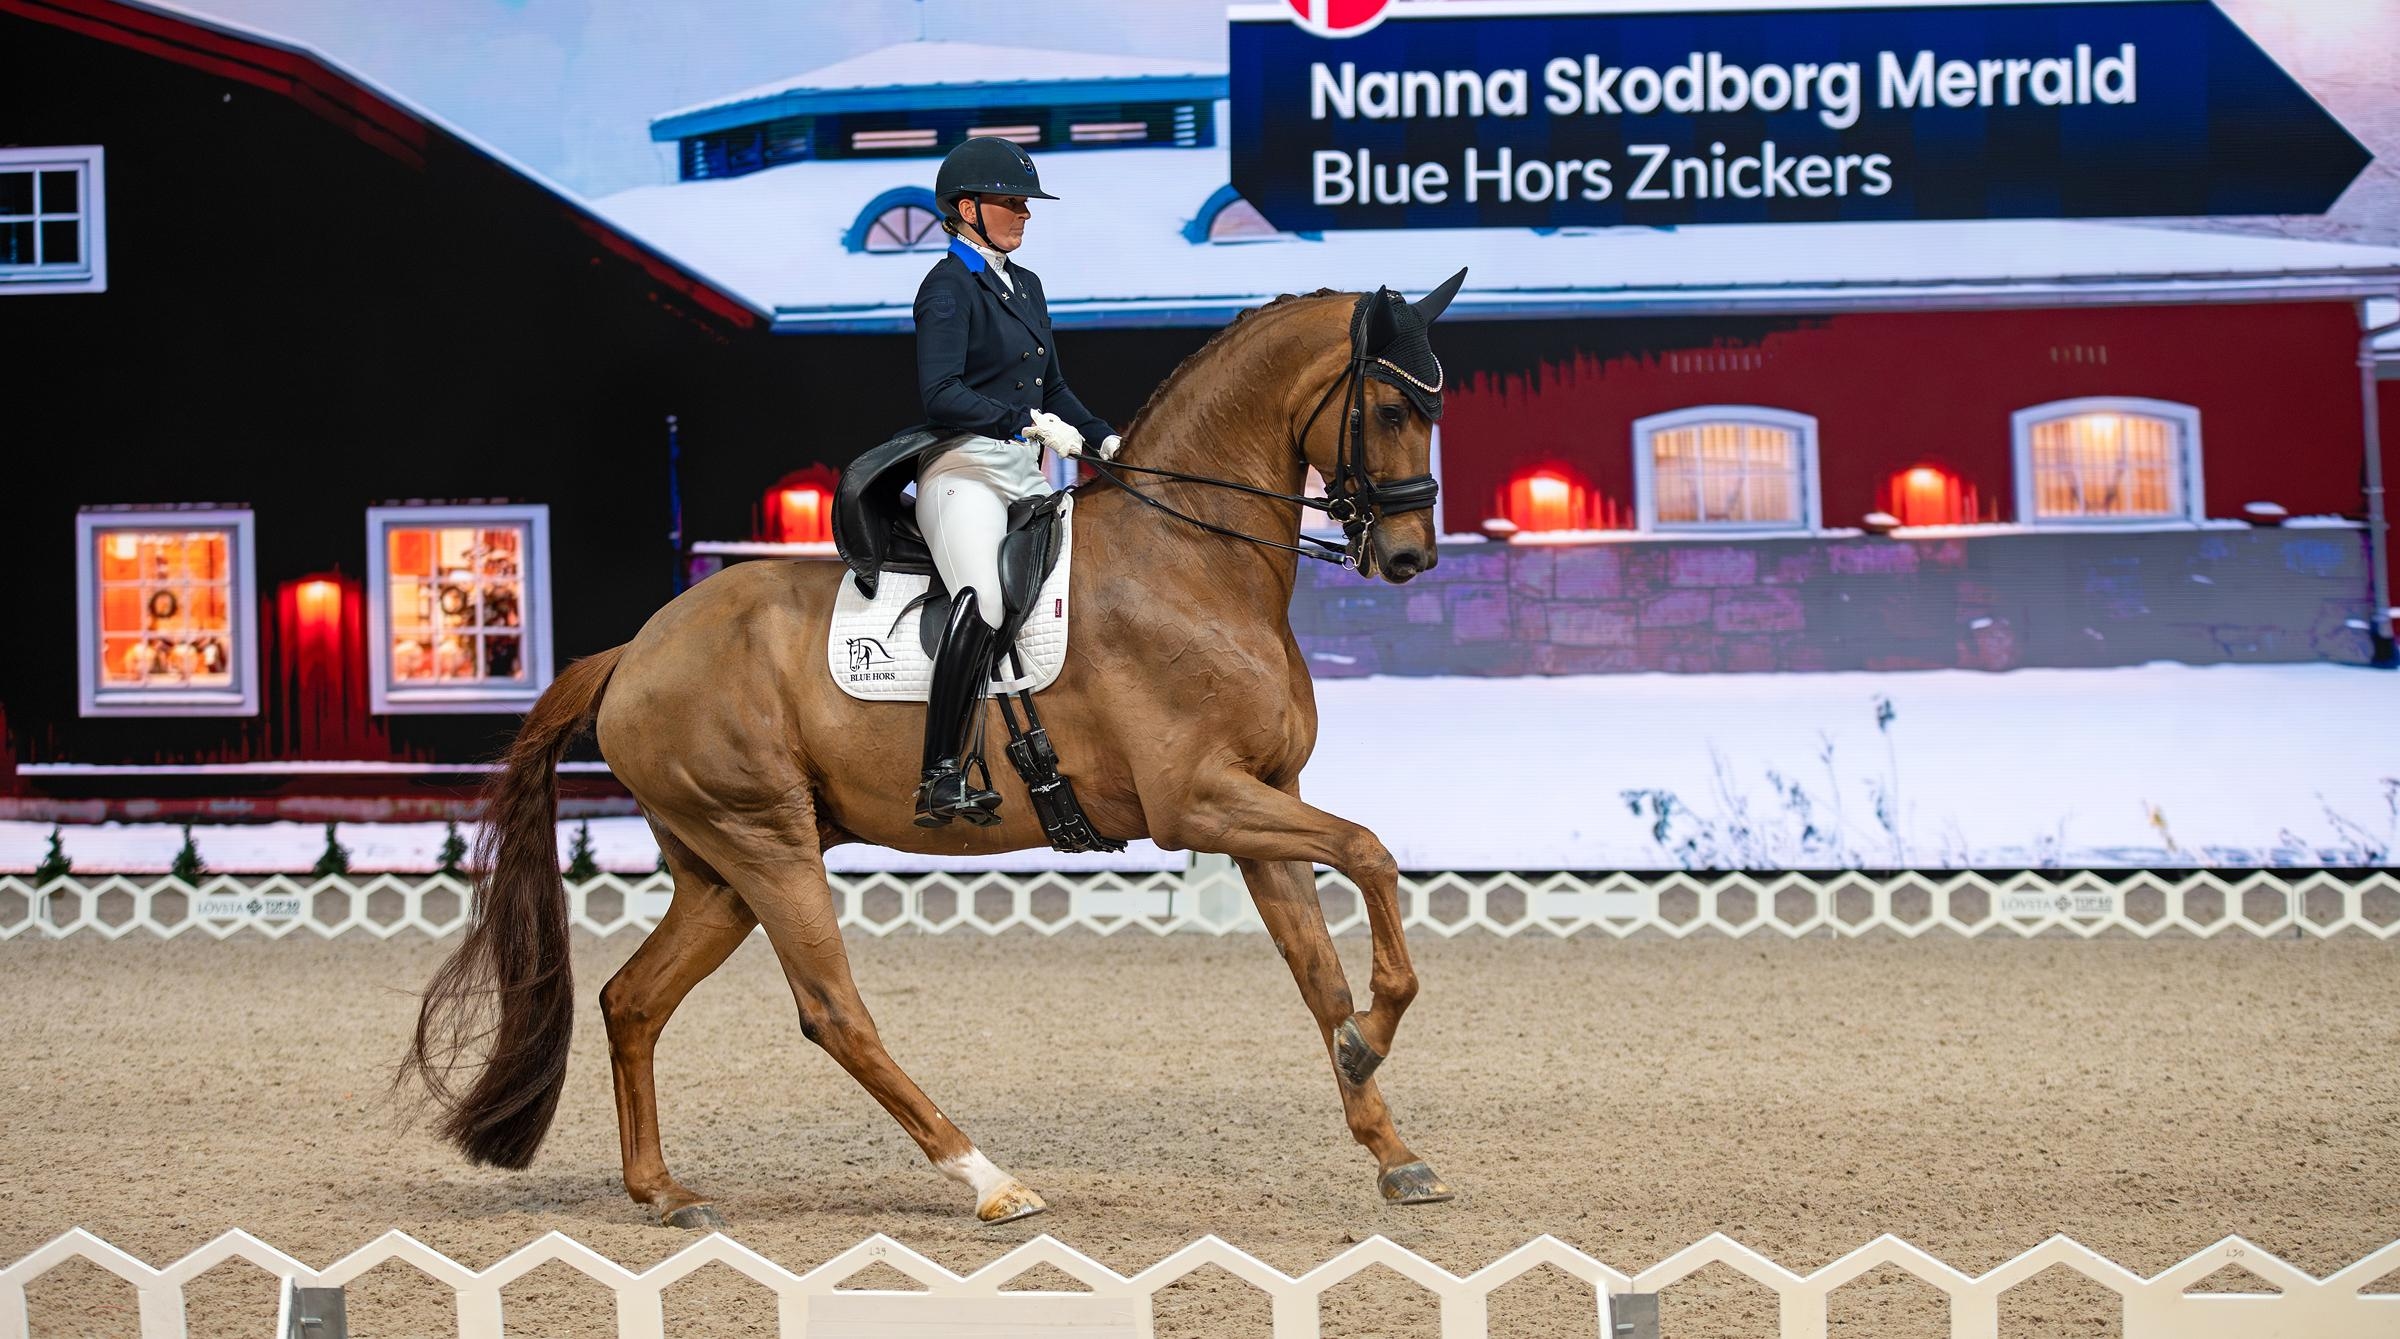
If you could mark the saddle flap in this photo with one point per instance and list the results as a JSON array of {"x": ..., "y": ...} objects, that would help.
[{"x": 1027, "y": 554}]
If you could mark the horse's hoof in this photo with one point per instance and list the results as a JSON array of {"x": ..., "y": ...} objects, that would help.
[
  {"x": 1412, "y": 1183},
  {"x": 1352, "y": 1056},
  {"x": 1010, "y": 1203},
  {"x": 697, "y": 1218}
]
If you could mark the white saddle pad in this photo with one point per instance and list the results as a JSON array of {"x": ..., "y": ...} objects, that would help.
[{"x": 872, "y": 659}]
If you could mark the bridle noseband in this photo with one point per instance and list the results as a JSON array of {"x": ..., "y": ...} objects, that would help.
[{"x": 1352, "y": 498}]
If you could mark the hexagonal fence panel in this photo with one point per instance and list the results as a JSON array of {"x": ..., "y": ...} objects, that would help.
[
  {"x": 1045, "y": 1287},
  {"x": 1211, "y": 898}
]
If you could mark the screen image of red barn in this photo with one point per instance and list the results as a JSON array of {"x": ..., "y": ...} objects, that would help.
[
  {"x": 2073, "y": 486},
  {"x": 1986, "y": 445},
  {"x": 1723, "y": 502},
  {"x": 308, "y": 535}
]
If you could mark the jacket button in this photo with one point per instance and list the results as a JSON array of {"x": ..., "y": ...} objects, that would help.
[
  {"x": 1039, "y": 349},
  {"x": 1037, "y": 381},
  {"x": 1024, "y": 355},
  {"x": 1020, "y": 385}
]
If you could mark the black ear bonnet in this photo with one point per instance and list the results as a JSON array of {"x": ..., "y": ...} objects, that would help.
[{"x": 1395, "y": 336}]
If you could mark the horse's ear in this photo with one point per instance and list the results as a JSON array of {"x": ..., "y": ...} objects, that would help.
[
  {"x": 1381, "y": 328},
  {"x": 1433, "y": 304}
]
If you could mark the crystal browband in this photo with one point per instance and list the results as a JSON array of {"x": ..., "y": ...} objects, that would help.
[{"x": 1396, "y": 370}]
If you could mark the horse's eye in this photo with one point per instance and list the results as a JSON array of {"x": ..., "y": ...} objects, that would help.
[{"x": 1390, "y": 414}]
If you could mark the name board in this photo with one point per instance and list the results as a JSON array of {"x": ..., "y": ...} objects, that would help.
[{"x": 1475, "y": 113}]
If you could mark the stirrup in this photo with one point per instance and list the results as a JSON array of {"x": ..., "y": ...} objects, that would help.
[{"x": 945, "y": 793}]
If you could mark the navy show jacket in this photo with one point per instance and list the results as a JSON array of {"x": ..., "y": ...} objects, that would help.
[{"x": 985, "y": 356}]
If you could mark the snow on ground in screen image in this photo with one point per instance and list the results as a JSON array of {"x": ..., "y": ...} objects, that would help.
[{"x": 2157, "y": 765}]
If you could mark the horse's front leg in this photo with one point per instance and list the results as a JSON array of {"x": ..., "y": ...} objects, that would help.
[
  {"x": 1248, "y": 819},
  {"x": 1285, "y": 893}
]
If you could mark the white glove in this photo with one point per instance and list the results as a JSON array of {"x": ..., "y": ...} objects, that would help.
[
  {"x": 1056, "y": 433},
  {"x": 1109, "y": 448}
]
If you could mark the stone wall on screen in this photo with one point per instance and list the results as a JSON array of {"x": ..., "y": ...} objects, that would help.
[{"x": 2005, "y": 600}]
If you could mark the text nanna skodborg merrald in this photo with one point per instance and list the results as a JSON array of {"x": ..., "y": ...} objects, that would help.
[{"x": 1705, "y": 84}]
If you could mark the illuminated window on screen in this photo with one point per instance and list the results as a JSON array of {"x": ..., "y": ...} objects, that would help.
[
  {"x": 166, "y": 619},
  {"x": 906, "y": 228},
  {"x": 166, "y": 608},
  {"x": 458, "y": 606},
  {"x": 870, "y": 141},
  {"x": 1108, "y": 132},
  {"x": 2102, "y": 464},
  {"x": 1016, "y": 134},
  {"x": 1726, "y": 472},
  {"x": 1240, "y": 221}
]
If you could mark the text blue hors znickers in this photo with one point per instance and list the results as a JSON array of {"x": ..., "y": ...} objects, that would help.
[{"x": 1468, "y": 114}]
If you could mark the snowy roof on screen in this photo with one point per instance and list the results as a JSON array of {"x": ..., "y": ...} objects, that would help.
[
  {"x": 983, "y": 73},
  {"x": 1114, "y": 250},
  {"x": 2379, "y": 315}
]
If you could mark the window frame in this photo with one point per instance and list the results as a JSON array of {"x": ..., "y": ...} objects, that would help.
[
  {"x": 1645, "y": 484},
  {"x": 930, "y": 241},
  {"x": 92, "y": 275},
  {"x": 854, "y": 241},
  {"x": 388, "y": 699},
  {"x": 2190, "y": 493},
  {"x": 241, "y": 589}
]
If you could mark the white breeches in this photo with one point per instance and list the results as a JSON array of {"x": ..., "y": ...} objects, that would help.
[{"x": 962, "y": 506}]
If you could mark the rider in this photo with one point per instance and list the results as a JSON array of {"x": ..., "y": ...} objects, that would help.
[{"x": 987, "y": 366}]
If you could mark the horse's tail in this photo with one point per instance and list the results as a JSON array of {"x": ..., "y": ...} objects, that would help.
[{"x": 509, "y": 988}]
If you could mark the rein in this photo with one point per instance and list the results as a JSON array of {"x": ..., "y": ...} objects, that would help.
[
  {"x": 1352, "y": 496},
  {"x": 1340, "y": 553}
]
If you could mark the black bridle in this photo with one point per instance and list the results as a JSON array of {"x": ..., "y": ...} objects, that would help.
[{"x": 1352, "y": 496}]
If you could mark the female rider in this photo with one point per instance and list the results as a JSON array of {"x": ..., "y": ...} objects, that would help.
[{"x": 987, "y": 367}]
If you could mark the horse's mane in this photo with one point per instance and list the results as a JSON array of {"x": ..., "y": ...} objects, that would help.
[{"x": 1200, "y": 355}]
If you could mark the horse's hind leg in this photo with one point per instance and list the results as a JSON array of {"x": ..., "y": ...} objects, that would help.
[
  {"x": 779, "y": 870},
  {"x": 703, "y": 926},
  {"x": 1285, "y": 893}
]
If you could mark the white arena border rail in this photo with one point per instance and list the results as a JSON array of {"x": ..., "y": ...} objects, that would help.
[
  {"x": 1210, "y": 898},
  {"x": 814, "y": 1303}
]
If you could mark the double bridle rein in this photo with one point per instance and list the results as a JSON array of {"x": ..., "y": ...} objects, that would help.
[{"x": 1352, "y": 497}]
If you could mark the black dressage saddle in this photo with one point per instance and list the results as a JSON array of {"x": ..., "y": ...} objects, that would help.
[{"x": 875, "y": 531}]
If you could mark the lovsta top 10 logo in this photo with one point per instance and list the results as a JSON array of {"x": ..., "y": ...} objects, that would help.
[{"x": 1339, "y": 18}]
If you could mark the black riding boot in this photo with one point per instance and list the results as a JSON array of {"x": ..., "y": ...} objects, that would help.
[{"x": 960, "y": 669}]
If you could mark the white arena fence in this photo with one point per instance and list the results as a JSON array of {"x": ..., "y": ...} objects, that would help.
[
  {"x": 814, "y": 1305},
  {"x": 1209, "y": 898}
]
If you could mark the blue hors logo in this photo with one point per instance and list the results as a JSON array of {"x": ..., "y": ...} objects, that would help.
[{"x": 866, "y": 653}]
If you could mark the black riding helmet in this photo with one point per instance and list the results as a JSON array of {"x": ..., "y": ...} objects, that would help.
[{"x": 986, "y": 165}]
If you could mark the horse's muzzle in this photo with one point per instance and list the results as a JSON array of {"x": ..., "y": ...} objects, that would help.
[{"x": 1403, "y": 563}]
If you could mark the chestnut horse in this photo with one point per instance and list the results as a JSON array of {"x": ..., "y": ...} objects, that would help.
[{"x": 1184, "y": 713}]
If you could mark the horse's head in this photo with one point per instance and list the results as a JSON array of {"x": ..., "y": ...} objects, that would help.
[{"x": 1375, "y": 447}]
